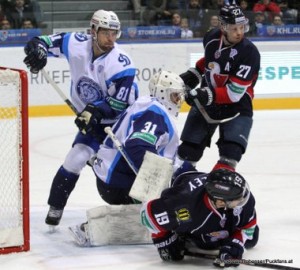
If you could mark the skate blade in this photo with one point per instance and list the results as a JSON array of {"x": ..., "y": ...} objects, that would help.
[{"x": 52, "y": 229}]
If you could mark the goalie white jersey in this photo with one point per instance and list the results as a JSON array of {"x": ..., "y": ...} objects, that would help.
[
  {"x": 145, "y": 125},
  {"x": 107, "y": 79}
]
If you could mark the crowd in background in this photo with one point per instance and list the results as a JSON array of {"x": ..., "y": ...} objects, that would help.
[
  {"x": 194, "y": 17},
  {"x": 197, "y": 16},
  {"x": 20, "y": 14}
]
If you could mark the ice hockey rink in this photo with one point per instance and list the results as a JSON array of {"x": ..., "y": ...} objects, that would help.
[{"x": 271, "y": 166}]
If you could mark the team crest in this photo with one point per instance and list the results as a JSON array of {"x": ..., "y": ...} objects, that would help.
[
  {"x": 80, "y": 37},
  {"x": 124, "y": 59},
  {"x": 132, "y": 32},
  {"x": 233, "y": 53},
  {"x": 88, "y": 90},
  {"x": 3, "y": 35},
  {"x": 216, "y": 78},
  {"x": 271, "y": 30},
  {"x": 217, "y": 54}
]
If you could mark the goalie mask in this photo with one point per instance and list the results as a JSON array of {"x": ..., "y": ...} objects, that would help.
[
  {"x": 107, "y": 20},
  {"x": 169, "y": 89},
  {"x": 227, "y": 186}
]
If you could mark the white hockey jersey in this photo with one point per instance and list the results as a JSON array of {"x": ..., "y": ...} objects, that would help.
[
  {"x": 107, "y": 81},
  {"x": 145, "y": 125}
]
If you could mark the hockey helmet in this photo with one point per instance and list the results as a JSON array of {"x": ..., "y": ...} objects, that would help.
[
  {"x": 169, "y": 89},
  {"x": 233, "y": 14},
  {"x": 226, "y": 185},
  {"x": 106, "y": 19}
]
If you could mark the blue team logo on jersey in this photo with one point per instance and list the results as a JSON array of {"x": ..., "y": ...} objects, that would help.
[
  {"x": 81, "y": 37},
  {"x": 88, "y": 90},
  {"x": 124, "y": 59}
]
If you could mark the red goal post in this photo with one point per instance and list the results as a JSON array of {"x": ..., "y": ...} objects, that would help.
[{"x": 14, "y": 161}]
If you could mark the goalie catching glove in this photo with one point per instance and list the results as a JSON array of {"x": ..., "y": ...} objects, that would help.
[
  {"x": 36, "y": 51},
  {"x": 170, "y": 246},
  {"x": 89, "y": 119},
  {"x": 230, "y": 254},
  {"x": 204, "y": 95}
]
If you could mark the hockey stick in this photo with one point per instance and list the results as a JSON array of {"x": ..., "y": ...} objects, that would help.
[
  {"x": 244, "y": 261},
  {"x": 208, "y": 118},
  {"x": 119, "y": 146},
  {"x": 59, "y": 91},
  {"x": 152, "y": 177}
]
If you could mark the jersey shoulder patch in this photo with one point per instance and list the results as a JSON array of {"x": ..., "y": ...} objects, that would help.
[{"x": 80, "y": 37}]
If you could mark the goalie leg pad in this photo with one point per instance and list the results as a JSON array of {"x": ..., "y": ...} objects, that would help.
[{"x": 116, "y": 225}]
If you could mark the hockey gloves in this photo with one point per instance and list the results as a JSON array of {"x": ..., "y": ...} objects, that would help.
[
  {"x": 230, "y": 254},
  {"x": 170, "y": 246},
  {"x": 192, "y": 77},
  {"x": 36, "y": 51},
  {"x": 204, "y": 95},
  {"x": 89, "y": 120}
]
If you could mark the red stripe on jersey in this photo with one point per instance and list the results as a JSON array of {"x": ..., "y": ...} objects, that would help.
[
  {"x": 159, "y": 235},
  {"x": 201, "y": 65},
  {"x": 238, "y": 233},
  {"x": 221, "y": 96},
  {"x": 221, "y": 93},
  {"x": 153, "y": 220}
]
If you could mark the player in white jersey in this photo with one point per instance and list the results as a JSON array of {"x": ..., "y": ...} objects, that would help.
[
  {"x": 102, "y": 87},
  {"x": 147, "y": 125}
]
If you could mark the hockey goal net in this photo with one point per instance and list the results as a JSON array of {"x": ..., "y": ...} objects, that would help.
[{"x": 14, "y": 173}]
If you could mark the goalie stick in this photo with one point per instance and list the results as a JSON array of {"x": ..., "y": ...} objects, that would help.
[
  {"x": 244, "y": 261},
  {"x": 152, "y": 177},
  {"x": 120, "y": 148},
  {"x": 59, "y": 91}
]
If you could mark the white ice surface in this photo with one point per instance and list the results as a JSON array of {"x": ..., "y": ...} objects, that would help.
[{"x": 271, "y": 166}]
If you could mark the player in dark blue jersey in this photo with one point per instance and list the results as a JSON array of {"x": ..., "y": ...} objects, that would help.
[
  {"x": 207, "y": 211},
  {"x": 227, "y": 75}
]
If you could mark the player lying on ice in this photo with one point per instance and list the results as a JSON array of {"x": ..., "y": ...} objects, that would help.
[
  {"x": 203, "y": 211},
  {"x": 148, "y": 125}
]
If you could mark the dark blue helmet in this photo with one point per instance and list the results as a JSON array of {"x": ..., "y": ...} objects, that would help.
[
  {"x": 226, "y": 185},
  {"x": 232, "y": 14}
]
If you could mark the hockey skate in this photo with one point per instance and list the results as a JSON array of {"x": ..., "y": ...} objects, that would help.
[
  {"x": 78, "y": 233},
  {"x": 54, "y": 216}
]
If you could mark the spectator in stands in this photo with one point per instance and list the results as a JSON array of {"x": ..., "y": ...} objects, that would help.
[
  {"x": 244, "y": 4},
  {"x": 5, "y": 24},
  {"x": 259, "y": 21},
  {"x": 18, "y": 11},
  {"x": 27, "y": 23},
  {"x": 159, "y": 12},
  {"x": 213, "y": 22},
  {"x": 176, "y": 19},
  {"x": 137, "y": 8},
  {"x": 194, "y": 13},
  {"x": 269, "y": 7},
  {"x": 277, "y": 21},
  {"x": 37, "y": 11},
  {"x": 185, "y": 31},
  {"x": 2, "y": 14},
  {"x": 154, "y": 11},
  {"x": 288, "y": 14},
  {"x": 214, "y": 4}
]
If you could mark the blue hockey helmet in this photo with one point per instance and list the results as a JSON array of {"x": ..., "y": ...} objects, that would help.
[{"x": 233, "y": 14}]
